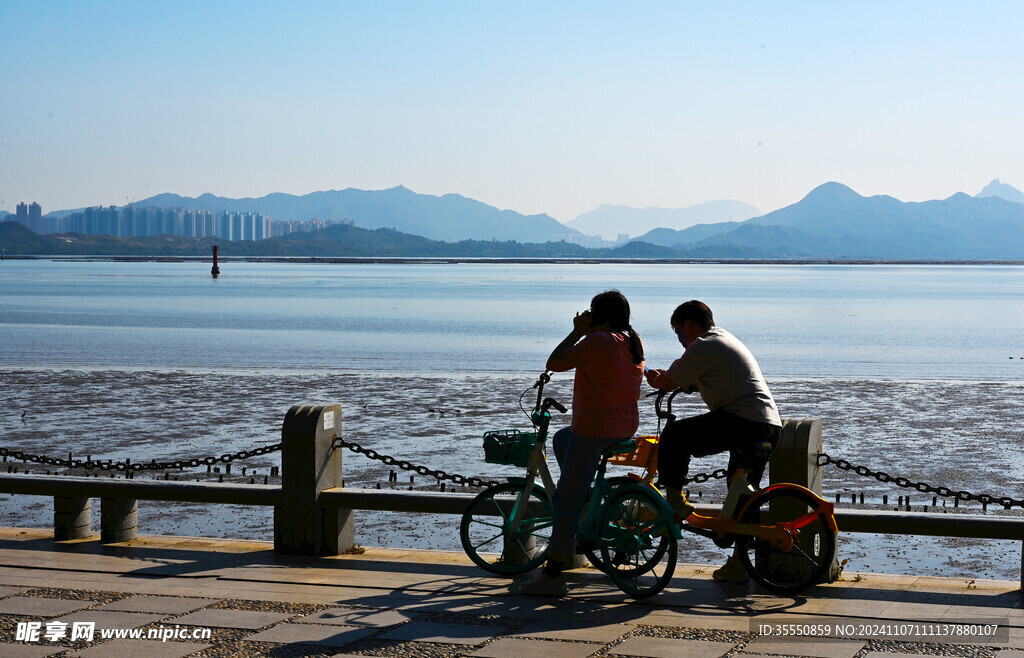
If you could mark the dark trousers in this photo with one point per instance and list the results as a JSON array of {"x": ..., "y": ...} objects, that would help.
[{"x": 710, "y": 434}]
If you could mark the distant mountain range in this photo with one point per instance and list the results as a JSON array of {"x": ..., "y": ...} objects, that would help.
[
  {"x": 831, "y": 222},
  {"x": 451, "y": 217},
  {"x": 338, "y": 241},
  {"x": 611, "y": 221}
]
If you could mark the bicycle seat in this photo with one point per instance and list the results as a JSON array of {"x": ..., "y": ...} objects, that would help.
[{"x": 624, "y": 447}]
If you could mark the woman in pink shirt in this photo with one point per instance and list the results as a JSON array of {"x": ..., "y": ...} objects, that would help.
[{"x": 608, "y": 357}]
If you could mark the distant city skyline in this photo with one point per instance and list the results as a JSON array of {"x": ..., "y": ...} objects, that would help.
[{"x": 532, "y": 107}]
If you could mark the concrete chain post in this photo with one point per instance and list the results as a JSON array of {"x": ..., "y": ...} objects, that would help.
[
  {"x": 795, "y": 460},
  {"x": 310, "y": 463}
]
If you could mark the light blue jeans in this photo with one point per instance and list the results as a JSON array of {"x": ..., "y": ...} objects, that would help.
[{"x": 578, "y": 457}]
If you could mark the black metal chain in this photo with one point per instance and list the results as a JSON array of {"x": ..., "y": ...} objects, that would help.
[
  {"x": 881, "y": 476},
  {"x": 128, "y": 466},
  {"x": 704, "y": 477},
  {"x": 462, "y": 479},
  {"x": 409, "y": 466}
]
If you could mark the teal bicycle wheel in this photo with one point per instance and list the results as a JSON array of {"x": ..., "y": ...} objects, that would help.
[
  {"x": 638, "y": 548},
  {"x": 590, "y": 546},
  {"x": 488, "y": 537}
]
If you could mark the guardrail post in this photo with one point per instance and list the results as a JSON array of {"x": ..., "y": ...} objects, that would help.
[
  {"x": 119, "y": 520},
  {"x": 310, "y": 463},
  {"x": 72, "y": 518},
  {"x": 795, "y": 459}
]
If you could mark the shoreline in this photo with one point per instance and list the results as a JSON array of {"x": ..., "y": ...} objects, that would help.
[
  {"x": 443, "y": 260},
  {"x": 524, "y": 377}
]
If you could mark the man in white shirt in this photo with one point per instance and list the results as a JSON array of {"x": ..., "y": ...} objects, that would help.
[{"x": 741, "y": 414}]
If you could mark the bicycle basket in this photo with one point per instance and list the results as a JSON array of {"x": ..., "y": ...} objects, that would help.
[
  {"x": 645, "y": 445},
  {"x": 509, "y": 447}
]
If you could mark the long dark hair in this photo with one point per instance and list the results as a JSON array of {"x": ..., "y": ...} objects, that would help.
[{"x": 611, "y": 307}]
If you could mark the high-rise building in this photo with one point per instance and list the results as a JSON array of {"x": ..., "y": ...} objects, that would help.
[
  {"x": 35, "y": 217},
  {"x": 132, "y": 221}
]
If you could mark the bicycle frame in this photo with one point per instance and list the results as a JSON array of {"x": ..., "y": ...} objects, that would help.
[
  {"x": 538, "y": 464},
  {"x": 782, "y": 534}
]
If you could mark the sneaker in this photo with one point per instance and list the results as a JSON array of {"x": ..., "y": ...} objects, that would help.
[
  {"x": 542, "y": 584},
  {"x": 683, "y": 510},
  {"x": 681, "y": 507},
  {"x": 731, "y": 572}
]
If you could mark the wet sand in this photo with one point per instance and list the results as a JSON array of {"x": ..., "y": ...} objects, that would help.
[{"x": 962, "y": 435}]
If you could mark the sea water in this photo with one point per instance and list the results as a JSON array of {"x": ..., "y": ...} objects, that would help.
[{"x": 891, "y": 321}]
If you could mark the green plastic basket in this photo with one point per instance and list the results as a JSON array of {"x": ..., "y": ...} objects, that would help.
[{"x": 510, "y": 447}]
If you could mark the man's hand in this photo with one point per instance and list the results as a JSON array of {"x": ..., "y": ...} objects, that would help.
[{"x": 652, "y": 375}]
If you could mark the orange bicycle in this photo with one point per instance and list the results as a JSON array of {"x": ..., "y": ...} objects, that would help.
[{"x": 786, "y": 534}]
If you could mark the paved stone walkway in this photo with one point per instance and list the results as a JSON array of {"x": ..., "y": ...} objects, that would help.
[{"x": 225, "y": 598}]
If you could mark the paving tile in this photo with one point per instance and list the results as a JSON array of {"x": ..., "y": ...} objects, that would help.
[
  {"x": 422, "y": 631},
  {"x": 331, "y": 636},
  {"x": 6, "y": 590},
  {"x": 1010, "y": 653},
  {"x": 913, "y": 611},
  {"x": 111, "y": 619},
  {"x": 723, "y": 620},
  {"x": 148, "y": 648},
  {"x": 806, "y": 647},
  {"x": 854, "y": 607},
  {"x": 1015, "y": 641},
  {"x": 981, "y": 611},
  {"x": 886, "y": 654},
  {"x": 606, "y": 614},
  {"x": 661, "y": 647},
  {"x": 945, "y": 597},
  {"x": 223, "y": 618},
  {"x": 38, "y": 606},
  {"x": 865, "y": 591},
  {"x": 171, "y": 605},
  {"x": 20, "y": 650},
  {"x": 355, "y": 617},
  {"x": 517, "y": 648},
  {"x": 560, "y": 629},
  {"x": 508, "y": 606}
]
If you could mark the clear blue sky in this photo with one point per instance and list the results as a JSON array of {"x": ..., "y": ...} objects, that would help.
[{"x": 552, "y": 107}]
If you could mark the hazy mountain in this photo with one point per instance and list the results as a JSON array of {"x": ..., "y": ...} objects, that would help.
[
  {"x": 839, "y": 223},
  {"x": 1003, "y": 191},
  {"x": 667, "y": 237},
  {"x": 450, "y": 217},
  {"x": 609, "y": 221},
  {"x": 831, "y": 222}
]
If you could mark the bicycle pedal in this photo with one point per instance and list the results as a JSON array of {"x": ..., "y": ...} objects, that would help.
[{"x": 584, "y": 546}]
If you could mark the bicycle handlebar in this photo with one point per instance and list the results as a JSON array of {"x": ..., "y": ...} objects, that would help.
[
  {"x": 551, "y": 402},
  {"x": 543, "y": 379},
  {"x": 667, "y": 413}
]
